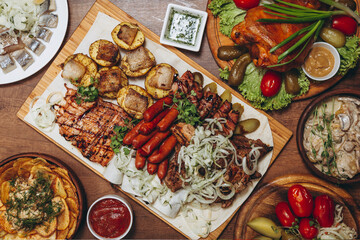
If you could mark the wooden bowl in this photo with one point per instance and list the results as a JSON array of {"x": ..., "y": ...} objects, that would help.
[
  {"x": 264, "y": 201},
  {"x": 75, "y": 180},
  {"x": 300, "y": 132}
]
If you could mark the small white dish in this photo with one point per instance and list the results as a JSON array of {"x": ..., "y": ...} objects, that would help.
[
  {"x": 116, "y": 197},
  {"x": 183, "y": 27},
  {"x": 336, "y": 55}
]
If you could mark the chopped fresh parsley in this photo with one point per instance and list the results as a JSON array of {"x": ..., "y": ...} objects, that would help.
[
  {"x": 187, "y": 110},
  {"x": 86, "y": 94},
  {"x": 30, "y": 205},
  {"x": 117, "y": 140}
]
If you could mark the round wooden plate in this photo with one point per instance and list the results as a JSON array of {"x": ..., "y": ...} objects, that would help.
[
  {"x": 300, "y": 132},
  {"x": 74, "y": 179},
  {"x": 217, "y": 39},
  {"x": 263, "y": 202}
]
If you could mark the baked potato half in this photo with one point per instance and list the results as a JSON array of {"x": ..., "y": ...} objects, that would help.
[
  {"x": 128, "y": 36},
  {"x": 138, "y": 62},
  {"x": 79, "y": 69},
  {"x": 134, "y": 100},
  {"x": 104, "y": 53},
  {"x": 110, "y": 81},
  {"x": 159, "y": 80}
]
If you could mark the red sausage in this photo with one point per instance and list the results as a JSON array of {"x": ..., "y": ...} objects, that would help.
[
  {"x": 156, "y": 108},
  {"x": 129, "y": 137},
  {"x": 162, "y": 169},
  {"x": 153, "y": 143},
  {"x": 152, "y": 168},
  {"x": 140, "y": 139},
  {"x": 165, "y": 123},
  {"x": 164, "y": 150},
  {"x": 139, "y": 161},
  {"x": 148, "y": 127}
]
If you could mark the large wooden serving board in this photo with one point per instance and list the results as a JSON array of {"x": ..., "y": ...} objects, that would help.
[
  {"x": 281, "y": 134},
  {"x": 217, "y": 39},
  {"x": 263, "y": 202}
]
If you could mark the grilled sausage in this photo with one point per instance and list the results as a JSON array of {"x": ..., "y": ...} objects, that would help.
[
  {"x": 164, "y": 150},
  {"x": 148, "y": 127},
  {"x": 153, "y": 143},
  {"x": 140, "y": 161},
  {"x": 152, "y": 168},
  {"x": 129, "y": 137},
  {"x": 166, "y": 122},
  {"x": 162, "y": 169},
  {"x": 140, "y": 140},
  {"x": 156, "y": 108}
]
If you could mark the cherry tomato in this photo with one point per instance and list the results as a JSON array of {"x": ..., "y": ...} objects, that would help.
[
  {"x": 344, "y": 24},
  {"x": 300, "y": 200},
  {"x": 270, "y": 83},
  {"x": 307, "y": 228},
  {"x": 324, "y": 210},
  {"x": 284, "y": 214},
  {"x": 246, "y": 4}
]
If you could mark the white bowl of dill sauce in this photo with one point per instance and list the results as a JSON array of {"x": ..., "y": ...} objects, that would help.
[{"x": 183, "y": 27}]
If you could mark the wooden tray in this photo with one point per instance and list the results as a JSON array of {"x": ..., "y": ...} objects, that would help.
[
  {"x": 281, "y": 135},
  {"x": 263, "y": 202},
  {"x": 217, "y": 39},
  {"x": 75, "y": 180}
]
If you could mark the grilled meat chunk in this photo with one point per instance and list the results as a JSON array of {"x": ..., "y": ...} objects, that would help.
[
  {"x": 186, "y": 86},
  {"x": 173, "y": 177},
  {"x": 89, "y": 126},
  {"x": 209, "y": 104},
  {"x": 259, "y": 37},
  {"x": 183, "y": 132}
]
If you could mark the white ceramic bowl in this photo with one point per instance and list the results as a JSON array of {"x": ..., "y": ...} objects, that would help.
[
  {"x": 336, "y": 55},
  {"x": 188, "y": 11},
  {"x": 111, "y": 196}
]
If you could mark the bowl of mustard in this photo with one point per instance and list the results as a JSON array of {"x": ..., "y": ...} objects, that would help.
[{"x": 322, "y": 62}]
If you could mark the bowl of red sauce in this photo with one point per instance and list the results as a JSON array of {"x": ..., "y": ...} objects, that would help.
[{"x": 109, "y": 217}]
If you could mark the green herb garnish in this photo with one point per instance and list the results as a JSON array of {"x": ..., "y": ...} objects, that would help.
[
  {"x": 86, "y": 94},
  {"x": 294, "y": 13},
  {"x": 31, "y": 207},
  {"x": 117, "y": 140},
  {"x": 187, "y": 110}
]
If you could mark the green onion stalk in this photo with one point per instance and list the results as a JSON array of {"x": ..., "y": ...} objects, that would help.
[{"x": 294, "y": 13}]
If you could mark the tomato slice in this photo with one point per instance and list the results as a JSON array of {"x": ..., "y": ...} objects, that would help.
[
  {"x": 300, "y": 200},
  {"x": 270, "y": 83},
  {"x": 324, "y": 210},
  {"x": 344, "y": 24},
  {"x": 246, "y": 4}
]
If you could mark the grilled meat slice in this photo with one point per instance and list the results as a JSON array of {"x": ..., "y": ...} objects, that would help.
[
  {"x": 183, "y": 133},
  {"x": 89, "y": 126},
  {"x": 173, "y": 177},
  {"x": 209, "y": 104},
  {"x": 186, "y": 86},
  {"x": 259, "y": 37},
  {"x": 244, "y": 146},
  {"x": 231, "y": 116}
]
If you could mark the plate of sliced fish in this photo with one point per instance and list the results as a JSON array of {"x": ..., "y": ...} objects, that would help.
[{"x": 31, "y": 32}]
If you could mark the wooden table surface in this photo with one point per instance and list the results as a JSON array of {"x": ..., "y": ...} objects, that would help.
[{"x": 17, "y": 137}]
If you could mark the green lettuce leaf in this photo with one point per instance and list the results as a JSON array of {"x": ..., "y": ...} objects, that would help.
[
  {"x": 228, "y": 13},
  {"x": 250, "y": 89},
  {"x": 349, "y": 54}
]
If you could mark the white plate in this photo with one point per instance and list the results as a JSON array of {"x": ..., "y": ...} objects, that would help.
[{"x": 51, "y": 48}]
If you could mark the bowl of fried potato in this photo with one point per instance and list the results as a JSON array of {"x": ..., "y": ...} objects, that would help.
[{"x": 40, "y": 198}]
